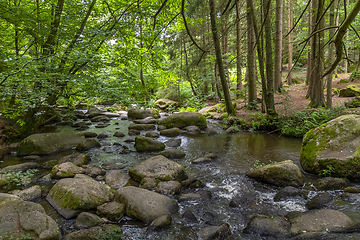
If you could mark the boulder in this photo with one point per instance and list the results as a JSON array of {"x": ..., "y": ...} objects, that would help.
[
  {"x": 30, "y": 194},
  {"x": 71, "y": 196},
  {"x": 46, "y": 143},
  {"x": 320, "y": 220},
  {"x": 172, "y": 132},
  {"x": 102, "y": 136},
  {"x": 141, "y": 127},
  {"x": 173, "y": 142},
  {"x": 158, "y": 167},
  {"x": 88, "y": 144},
  {"x": 106, "y": 231},
  {"x": 78, "y": 159},
  {"x": 192, "y": 130},
  {"x": 333, "y": 148},
  {"x": 353, "y": 102},
  {"x": 119, "y": 134},
  {"x": 165, "y": 104},
  {"x": 100, "y": 118},
  {"x": 113, "y": 211},
  {"x": 149, "y": 183},
  {"x": 19, "y": 218},
  {"x": 321, "y": 200},
  {"x": 89, "y": 134},
  {"x": 145, "y": 144},
  {"x": 281, "y": 174},
  {"x": 330, "y": 183},
  {"x": 221, "y": 232},
  {"x": 268, "y": 227},
  {"x": 189, "y": 216},
  {"x": 94, "y": 112},
  {"x": 65, "y": 170},
  {"x": 172, "y": 153},
  {"x": 152, "y": 135},
  {"x": 139, "y": 113},
  {"x": 93, "y": 171},
  {"x": 202, "y": 160},
  {"x": 160, "y": 223},
  {"x": 288, "y": 193},
  {"x": 147, "y": 120},
  {"x": 352, "y": 190},
  {"x": 20, "y": 167},
  {"x": 349, "y": 91},
  {"x": 184, "y": 119},
  {"x": 169, "y": 187},
  {"x": 133, "y": 132},
  {"x": 145, "y": 205},
  {"x": 87, "y": 220},
  {"x": 117, "y": 179}
]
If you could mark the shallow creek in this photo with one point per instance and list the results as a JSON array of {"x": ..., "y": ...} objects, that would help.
[{"x": 225, "y": 178}]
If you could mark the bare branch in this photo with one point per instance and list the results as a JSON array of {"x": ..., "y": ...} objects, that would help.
[
  {"x": 227, "y": 6},
  {"x": 303, "y": 12},
  {"x": 159, "y": 10}
]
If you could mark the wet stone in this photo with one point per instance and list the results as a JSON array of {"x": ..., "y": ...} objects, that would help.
[
  {"x": 173, "y": 142},
  {"x": 321, "y": 200}
]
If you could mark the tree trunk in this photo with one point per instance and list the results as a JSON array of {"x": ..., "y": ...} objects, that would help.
[
  {"x": 290, "y": 39},
  {"x": 250, "y": 70},
  {"x": 229, "y": 108},
  {"x": 278, "y": 45},
  {"x": 239, "y": 85},
  {"x": 225, "y": 46},
  {"x": 187, "y": 71},
  {"x": 331, "y": 57},
  {"x": 309, "y": 63}
]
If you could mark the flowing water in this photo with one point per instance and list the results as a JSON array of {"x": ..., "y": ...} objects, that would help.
[{"x": 225, "y": 178}]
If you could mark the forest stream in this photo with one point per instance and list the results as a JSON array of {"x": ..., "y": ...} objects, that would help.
[{"x": 225, "y": 178}]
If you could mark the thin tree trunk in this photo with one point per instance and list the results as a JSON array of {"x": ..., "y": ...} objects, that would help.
[
  {"x": 229, "y": 108},
  {"x": 225, "y": 46},
  {"x": 187, "y": 72},
  {"x": 239, "y": 85},
  {"x": 331, "y": 57},
  {"x": 250, "y": 71},
  {"x": 309, "y": 63},
  {"x": 217, "y": 88},
  {"x": 278, "y": 45},
  {"x": 290, "y": 40}
]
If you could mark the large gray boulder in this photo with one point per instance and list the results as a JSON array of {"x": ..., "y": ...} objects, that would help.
[
  {"x": 142, "y": 126},
  {"x": 181, "y": 120},
  {"x": 65, "y": 170},
  {"x": 323, "y": 220},
  {"x": 158, "y": 167},
  {"x": 46, "y": 143},
  {"x": 268, "y": 226},
  {"x": 281, "y": 174},
  {"x": 145, "y": 205},
  {"x": 333, "y": 148},
  {"x": 139, "y": 113},
  {"x": 106, "y": 232},
  {"x": 117, "y": 179},
  {"x": 146, "y": 144},
  {"x": 71, "y": 196},
  {"x": 18, "y": 218}
]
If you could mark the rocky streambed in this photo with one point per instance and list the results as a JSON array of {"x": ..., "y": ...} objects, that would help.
[{"x": 107, "y": 177}]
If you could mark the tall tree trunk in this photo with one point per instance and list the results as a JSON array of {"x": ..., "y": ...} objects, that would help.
[
  {"x": 317, "y": 59},
  {"x": 250, "y": 70},
  {"x": 229, "y": 108},
  {"x": 346, "y": 65},
  {"x": 331, "y": 57},
  {"x": 187, "y": 71},
  {"x": 269, "y": 60},
  {"x": 278, "y": 45},
  {"x": 217, "y": 88},
  {"x": 290, "y": 39},
  {"x": 309, "y": 63},
  {"x": 239, "y": 85},
  {"x": 225, "y": 46}
]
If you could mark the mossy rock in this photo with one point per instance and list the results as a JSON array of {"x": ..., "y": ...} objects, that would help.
[
  {"x": 344, "y": 81},
  {"x": 139, "y": 113},
  {"x": 105, "y": 232},
  {"x": 71, "y": 196},
  {"x": 181, "y": 120},
  {"x": 353, "y": 102},
  {"x": 349, "y": 91},
  {"x": 46, "y": 143},
  {"x": 334, "y": 145},
  {"x": 146, "y": 144},
  {"x": 142, "y": 126},
  {"x": 284, "y": 173},
  {"x": 171, "y": 132}
]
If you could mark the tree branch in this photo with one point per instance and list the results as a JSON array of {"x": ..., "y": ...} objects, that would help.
[{"x": 159, "y": 10}]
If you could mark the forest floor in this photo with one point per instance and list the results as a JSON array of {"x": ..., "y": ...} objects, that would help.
[{"x": 293, "y": 98}]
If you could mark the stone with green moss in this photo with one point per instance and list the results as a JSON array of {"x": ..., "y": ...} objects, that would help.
[
  {"x": 65, "y": 170},
  {"x": 171, "y": 132},
  {"x": 142, "y": 126},
  {"x": 71, "y": 196},
  {"x": 158, "y": 167},
  {"x": 353, "y": 102},
  {"x": 146, "y": 144},
  {"x": 103, "y": 232},
  {"x": 184, "y": 119},
  {"x": 349, "y": 91},
  {"x": 281, "y": 174},
  {"x": 145, "y": 205},
  {"x": 46, "y": 143},
  {"x": 333, "y": 148}
]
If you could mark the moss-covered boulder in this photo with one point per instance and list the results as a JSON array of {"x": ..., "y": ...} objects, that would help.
[
  {"x": 113, "y": 211},
  {"x": 139, "y": 113},
  {"x": 146, "y": 144},
  {"x": 353, "y": 102},
  {"x": 349, "y": 91},
  {"x": 263, "y": 225},
  {"x": 333, "y": 148},
  {"x": 117, "y": 179},
  {"x": 158, "y": 167},
  {"x": 171, "y": 132},
  {"x": 78, "y": 159},
  {"x": 172, "y": 153},
  {"x": 106, "y": 231},
  {"x": 20, "y": 218},
  {"x": 88, "y": 144},
  {"x": 65, "y": 170},
  {"x": 184, "y": 119},
  {"x": 281, "y": 174},
  {"x": 145, "y": 205},
  {"x": 46, "y": 143},
  {"x": 165, "y": 104},
  {"x": 142, "y": 126},
  {"x": 71, "y": 196}
]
